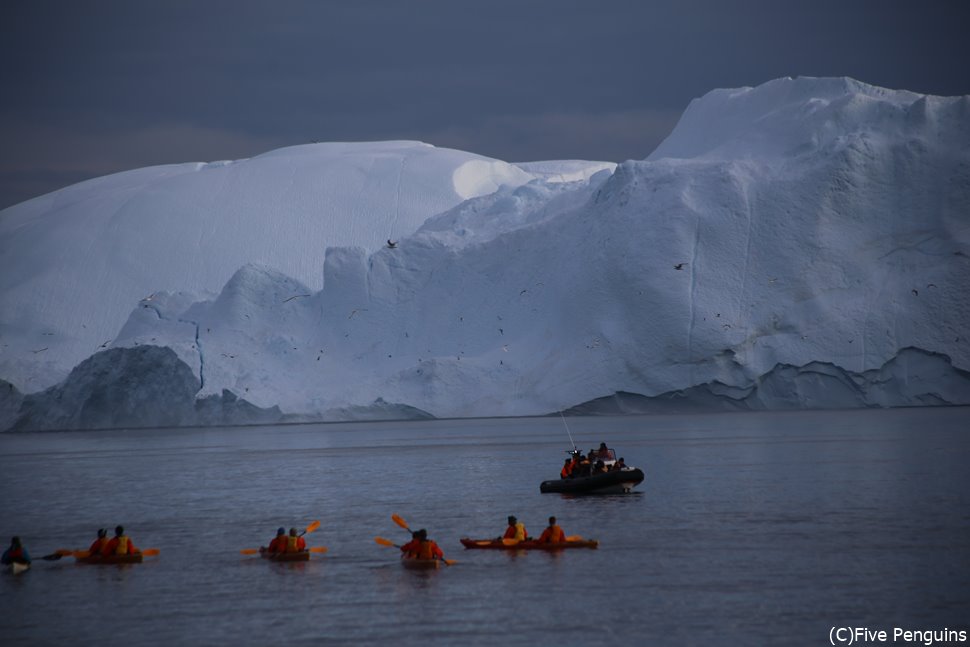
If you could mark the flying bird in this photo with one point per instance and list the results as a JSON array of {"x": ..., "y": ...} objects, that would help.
[
  {"x": 391, "y": 244},
  {"x": 680, "y": 266}
]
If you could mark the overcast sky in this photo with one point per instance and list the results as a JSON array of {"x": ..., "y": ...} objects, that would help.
[{"x": 93, "y": 87}]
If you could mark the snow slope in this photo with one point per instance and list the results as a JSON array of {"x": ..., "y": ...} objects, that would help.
[
  {"x": 74, "y": 261},
  {"x": 802, "y": 243}
]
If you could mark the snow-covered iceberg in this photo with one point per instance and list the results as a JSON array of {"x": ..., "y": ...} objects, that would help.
[{"x": 804, "y": 243}]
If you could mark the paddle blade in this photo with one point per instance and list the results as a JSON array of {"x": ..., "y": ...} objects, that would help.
[
  {"x": 249, "y": 551},
  {"x": 399, "y": 521},
  {"x": 448, "y": 562},
  {"x": 64, "y": 552},
  {"x": 80, "y": 554},
  {"x": 150, "y": 552},
  {"x": 384, "y": 542},
  {"x": 318, "y": 549},
  {"x": 313, "y": 526}
]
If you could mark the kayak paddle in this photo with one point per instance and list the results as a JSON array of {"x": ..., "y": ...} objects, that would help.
[{"x": 401, "y": 522}]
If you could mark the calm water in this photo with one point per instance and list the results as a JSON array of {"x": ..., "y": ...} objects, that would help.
[{"x": 750, "y": 529}]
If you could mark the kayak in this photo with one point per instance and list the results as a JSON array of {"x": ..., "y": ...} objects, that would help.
[
  {"x": 19, "y": 567},
  {"x": 302, "y": 556},
  {"x": 619, "y": 481},
  {"x": 498, "y": 544},
  {"x": 420, "y": 564},
  {"x": 134, "y": 558}
]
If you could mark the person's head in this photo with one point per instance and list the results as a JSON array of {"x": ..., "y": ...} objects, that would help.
[
  {"x": 512, "y": 520},
  {"x": 552, "y": 521},
  {"x": 292, "y": 532},
  {"x": 567, "y": 461},
  {"x": 15, "y": 541},
  {"x": 102, "y": 533},
  {"x": 280, "y": 531},
  {"x": 422, "y": 534},
  {"x": 602, "y": 445},
  {"x": 119, "y": 531}
]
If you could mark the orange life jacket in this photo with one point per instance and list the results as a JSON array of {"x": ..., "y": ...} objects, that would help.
[
  {"x": 293, "y": 544},
  {"x": 428, "y": 550}
]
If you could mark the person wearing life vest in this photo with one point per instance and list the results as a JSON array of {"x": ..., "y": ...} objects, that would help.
[
  {"x": 15, "y": 554},
  {"x": 120, "y": 544},
  {"x": 278, "y": 543},
  {"x": 428, "y": 549},
  {"x": 294, "y": 543},
  {"x": 566, "y": 470},
  {"x": 516, "y": 530},
  {"x": 553, "y": 534},
  {"x": 98, "y": 544},
  {"x": 410, "y": 549}
]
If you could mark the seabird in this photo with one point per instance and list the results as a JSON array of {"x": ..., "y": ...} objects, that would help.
[{"x": 391, "y": 244}]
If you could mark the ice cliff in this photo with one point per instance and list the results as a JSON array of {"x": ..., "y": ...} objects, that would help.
[{"x": 804, "y": 243}]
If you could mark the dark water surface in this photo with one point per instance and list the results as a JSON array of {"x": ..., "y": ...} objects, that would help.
[{"x": 766, "y": 528}]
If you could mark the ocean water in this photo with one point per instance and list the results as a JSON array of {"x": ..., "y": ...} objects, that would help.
[{"x": 767, "y": 528}]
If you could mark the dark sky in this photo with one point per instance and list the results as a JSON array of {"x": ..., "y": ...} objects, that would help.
[{"x": 94, "y": 87}]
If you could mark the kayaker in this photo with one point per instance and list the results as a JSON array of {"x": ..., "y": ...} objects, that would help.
[
  {"x": 278, "y": 543},
  {"x": 294, "y": 543},
  {"x": 120, "y": 544},
  {"x": 410, "y": 549},
  {"x": 427, "y": 548},
  {"x": 516, "y": 530},
  {"x": 98, "y": 544},
  {"x": 16, "y": 553},
  {"x": 553, "y": 534}
]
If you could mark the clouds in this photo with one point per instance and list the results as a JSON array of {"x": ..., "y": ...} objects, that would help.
[{"x": 516, "y": 80}]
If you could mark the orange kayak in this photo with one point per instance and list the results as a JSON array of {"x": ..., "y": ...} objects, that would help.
[
  {"x": 420, "y": 564},
  {"x": 134, "y": 558},
  {"x": 498, "y": 544},
  {"x": 302, "y": 556}
]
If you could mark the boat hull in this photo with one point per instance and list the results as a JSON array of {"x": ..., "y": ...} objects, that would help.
[
  {"x": 493, "y": 544},
  {"x": 420, "y": 564},
  {"x": 135, "y": 558},
  {"x": 302, "y": 556},
  {"x": 615, "y": 482}
]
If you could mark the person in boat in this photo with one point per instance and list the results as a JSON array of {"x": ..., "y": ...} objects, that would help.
[
  {"x": 425, "y": 548},
  {"x": 567, "y": 469},
  {"x": 120, "y": 544},
  {"x": 294, "y": 543},
  {"x": 410, "y": 549},
  {"x": 619, "y": 464},
  {"x": 574, "y": 463},
  {"x": 599, "y": 467},
  {"x": 16, "y": 553},
  {"x": 553, "y": 534},
  {"x": 516, "y": 530},
  {"x": 603, "y": 452},
  {"x": 278, "y": 543},
  {"x": 98, "y": 544}
]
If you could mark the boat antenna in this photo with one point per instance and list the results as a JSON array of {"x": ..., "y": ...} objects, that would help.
[{"x": 567, "y": 431}]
